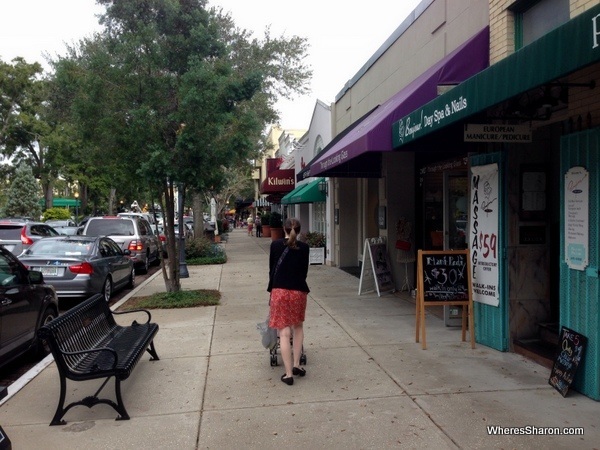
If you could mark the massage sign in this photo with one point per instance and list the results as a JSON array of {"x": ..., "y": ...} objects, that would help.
[{"x": 484, "y": 234}]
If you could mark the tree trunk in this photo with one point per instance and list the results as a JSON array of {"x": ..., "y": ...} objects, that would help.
[
  {"x": 111, "y": 200},
  {"x": 171, "y": 275},
  {"x": 48, "y": 194},
  {"x": 197, "y": 202}
]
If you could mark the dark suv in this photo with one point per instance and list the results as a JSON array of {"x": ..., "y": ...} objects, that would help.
[
  {"x": 26, "y": 303},
  {"x": 130, "y": 233},
  {"x": 18, "y": 235}
]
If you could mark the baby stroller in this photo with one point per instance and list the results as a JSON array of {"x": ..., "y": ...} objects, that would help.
[{"x": 273, "y": 351}]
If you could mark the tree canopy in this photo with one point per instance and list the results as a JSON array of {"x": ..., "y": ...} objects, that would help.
[{"x": 171, "y": 94}]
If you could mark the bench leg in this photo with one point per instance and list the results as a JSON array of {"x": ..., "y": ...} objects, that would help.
[
  {"x": 120, "y": 406},
  {"x": 152, "y": 351},
  {"x": 60, "y": 411},
  {"x": 89, "y": 401}
]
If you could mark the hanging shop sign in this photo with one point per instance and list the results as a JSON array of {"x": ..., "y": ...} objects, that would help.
[
  {"x": 484, "y": 234},
  {"x": 577, "y": 222},
  {"x": 508, "y": 134}
]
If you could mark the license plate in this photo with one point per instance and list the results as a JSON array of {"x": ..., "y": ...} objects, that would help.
[{"x": 50, "y": 271}]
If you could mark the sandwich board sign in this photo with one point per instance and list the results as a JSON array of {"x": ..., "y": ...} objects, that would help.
[{"x": 376, "y": 271}]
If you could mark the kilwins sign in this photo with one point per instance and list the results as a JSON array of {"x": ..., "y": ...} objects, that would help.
[{"x": 278, "y": 181}]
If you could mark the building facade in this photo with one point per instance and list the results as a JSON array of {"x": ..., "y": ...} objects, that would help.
[{"x": 477, "y": 123}]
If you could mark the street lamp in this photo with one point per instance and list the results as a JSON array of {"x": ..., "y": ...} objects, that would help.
[
  {"x": 76, "y": 208},
  {"x": 183, "y": 270}
]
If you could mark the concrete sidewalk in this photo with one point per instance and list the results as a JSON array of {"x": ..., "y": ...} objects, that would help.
[{"x": 368, "y": 384}]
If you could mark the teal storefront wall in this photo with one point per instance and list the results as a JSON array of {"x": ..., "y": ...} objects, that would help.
[
  {"x": 580, "y": 289},
  {"x": 491, "y": 322}
]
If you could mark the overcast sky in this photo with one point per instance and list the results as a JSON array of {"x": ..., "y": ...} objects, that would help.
[{"x": 342, "y": 37}]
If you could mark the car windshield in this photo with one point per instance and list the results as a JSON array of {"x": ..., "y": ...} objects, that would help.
[
  {"x": 60, "y": 247},
  {"x": 110, "y": 227}
]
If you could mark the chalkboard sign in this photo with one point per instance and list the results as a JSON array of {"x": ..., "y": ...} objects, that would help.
[
  {"x": 445, "y": 276},
  {"x": 571, "y": 347},
  {"x": 376, "y": 271},
  {"x": 444, "y": 279}
]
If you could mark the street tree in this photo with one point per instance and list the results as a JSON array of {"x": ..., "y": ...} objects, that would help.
[
  {"x": 24, "y": 126},
  {"x": 177, "y": 93},
  {"x": 23, "y": 195}
]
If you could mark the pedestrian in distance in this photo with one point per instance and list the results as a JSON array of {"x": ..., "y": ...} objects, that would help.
[
  {"x": 288, "y": 268},
  {"x": 258, "y": 225},
  {"x": 250, "y": 223}
]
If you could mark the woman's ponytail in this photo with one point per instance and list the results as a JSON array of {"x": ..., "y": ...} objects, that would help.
[{"x": 292, "y": 229}]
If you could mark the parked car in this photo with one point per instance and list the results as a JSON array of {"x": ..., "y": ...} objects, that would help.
[
  {"x": 17, "y": 234},
  {"x": 130, "y": 233},
  {"x": 149, "y": 217},
  {"x": 81, "y": 266},
  {"x": 60, "y": 223},
  {"x": 69, "y": 231},
  {"x": 27, "y": 304}
]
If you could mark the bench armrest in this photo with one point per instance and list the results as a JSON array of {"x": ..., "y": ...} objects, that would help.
[
  {"x": 135, "y": 311},
  {"x": 94, "y": 350}
]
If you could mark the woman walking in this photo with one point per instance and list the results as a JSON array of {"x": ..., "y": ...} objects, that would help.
[{"x": 288, "y": 268}]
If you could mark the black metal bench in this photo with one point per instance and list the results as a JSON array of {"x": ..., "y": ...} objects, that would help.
[{"x": 88, "y": 344}]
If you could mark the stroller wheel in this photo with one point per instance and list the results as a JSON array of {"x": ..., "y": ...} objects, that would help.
[
  {"x": 303, "y": 359},
  {"x": 273, "y": 360}
]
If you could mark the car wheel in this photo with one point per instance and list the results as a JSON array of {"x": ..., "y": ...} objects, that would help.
[
  {"x": 131, "y": 283},
  {"x": 41, "y": 347},
  {"x": 107, "y": 289},
  {"x": 156, "y": 260},
  {"x": 145, "y": 265}
]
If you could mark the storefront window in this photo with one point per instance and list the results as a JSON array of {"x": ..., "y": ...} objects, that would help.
[
  {"x": 445, "y": 205},
  {"x": 318, "y": 217},
  {"x": 533, "y": 19}
]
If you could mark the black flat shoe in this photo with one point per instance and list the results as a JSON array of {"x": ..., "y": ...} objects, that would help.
[
  {"x": 298, "y": 371},
  {"x": 287, "y": 380}
]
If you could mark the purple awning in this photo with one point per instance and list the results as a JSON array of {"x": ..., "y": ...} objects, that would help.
[{"x": 373, "y": 133}]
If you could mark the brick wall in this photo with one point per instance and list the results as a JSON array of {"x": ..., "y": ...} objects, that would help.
[
  {"x": 502, "y": 25},
  {"x": 502, "y": 30}
]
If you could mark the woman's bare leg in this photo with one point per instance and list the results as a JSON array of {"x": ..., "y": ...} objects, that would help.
[
  {"x": 298, "y": 342},
  {"x": 286, "y": 349}
]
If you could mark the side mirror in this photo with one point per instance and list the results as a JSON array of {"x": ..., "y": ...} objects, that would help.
[
  {"x": 36, "y": 277},
  {"x": 127, "y": 252}
]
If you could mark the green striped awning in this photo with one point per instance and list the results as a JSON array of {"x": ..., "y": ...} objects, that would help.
[{"x": 306, "y": 193}]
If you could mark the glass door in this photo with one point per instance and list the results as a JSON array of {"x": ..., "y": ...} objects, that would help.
[{"x": 456, "y": 206}]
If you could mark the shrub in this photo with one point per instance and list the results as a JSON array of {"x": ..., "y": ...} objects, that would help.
[
  {"x": 56, "y": 214},
  {"x": 265, "y": 218},
  {"x": 201, "y": 250},
  {"x": 198, "y": 247},
  {"x": 314, "y": 239},
  {"x": 275, "y": 220}
]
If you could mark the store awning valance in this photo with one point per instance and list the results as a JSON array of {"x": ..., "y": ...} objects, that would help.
[
  {"x": 286, "y": 198},
  {"x": 570, "y": 47},
  {"x": 261, "y": 202},
  {"x": 306, "y": 193},
  {"x": 372, "y": 133}
]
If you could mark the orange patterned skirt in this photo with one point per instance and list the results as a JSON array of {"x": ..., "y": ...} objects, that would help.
[{"x": 287, "y": 308}]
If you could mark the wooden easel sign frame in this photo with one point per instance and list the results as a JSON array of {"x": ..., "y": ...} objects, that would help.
[{"x": 443, "y": 279}]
